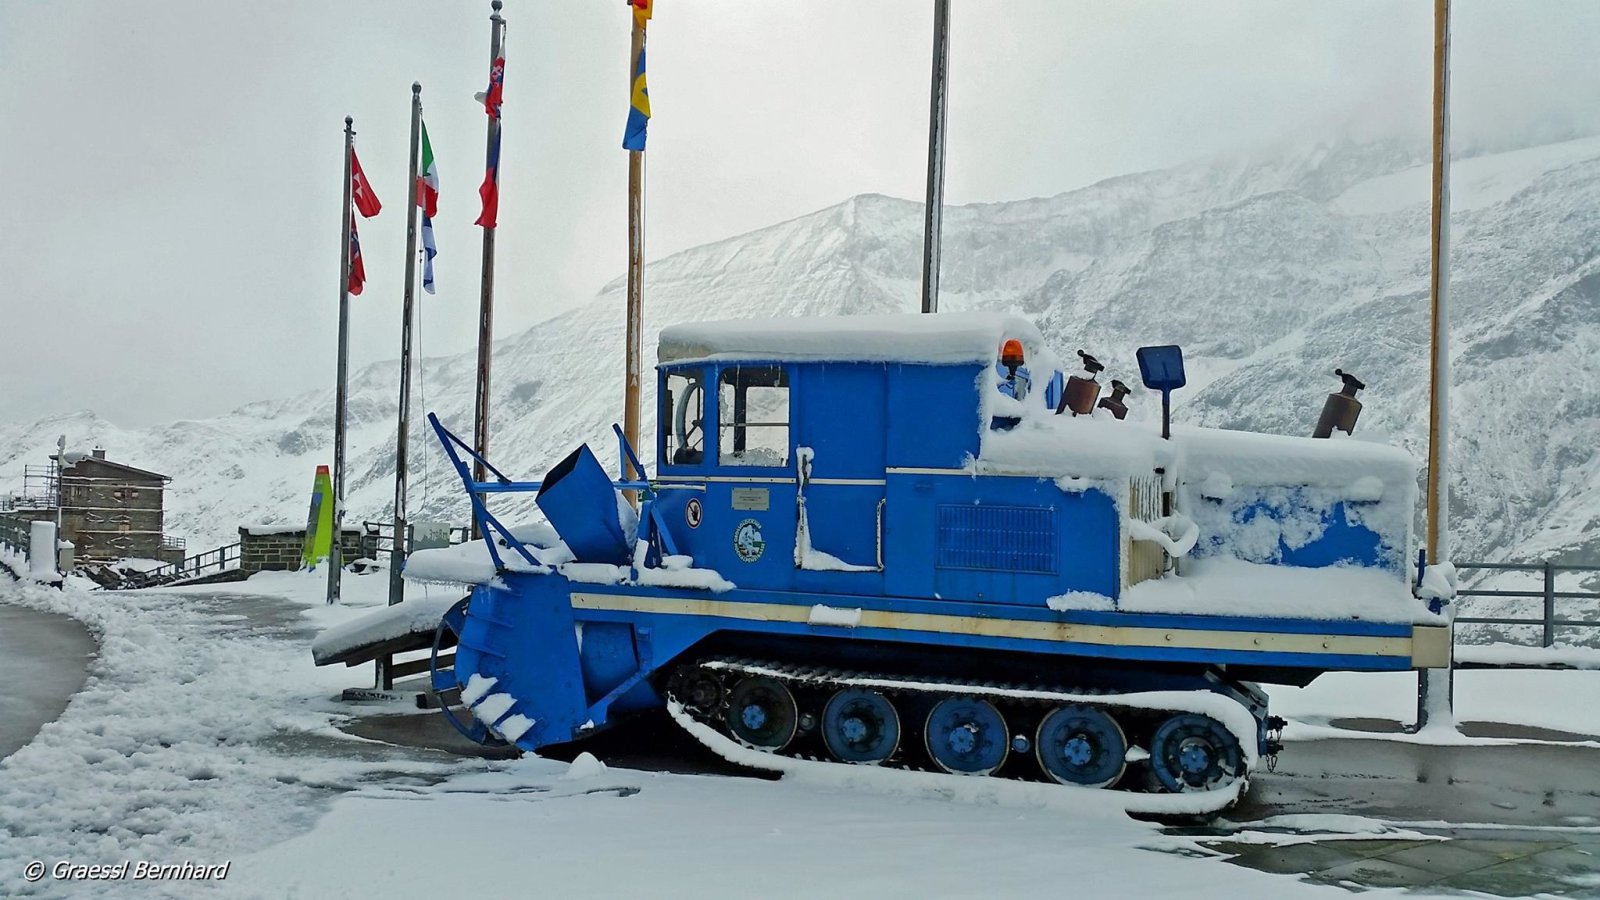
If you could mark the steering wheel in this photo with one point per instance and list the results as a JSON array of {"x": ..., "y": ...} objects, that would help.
[{"x": 686, "y": 428}]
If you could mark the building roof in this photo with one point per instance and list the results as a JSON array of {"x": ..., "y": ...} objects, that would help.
[
  {"x": 936, "y": 339},
  {"x": 73, "y": 459}
]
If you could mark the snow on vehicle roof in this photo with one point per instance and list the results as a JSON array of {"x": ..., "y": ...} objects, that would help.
[{"x": 938, "y": 338}]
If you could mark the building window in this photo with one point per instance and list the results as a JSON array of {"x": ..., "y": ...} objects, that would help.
[
  {"x": 753, "y": 416},
  {"x": 133, "y": 493}
]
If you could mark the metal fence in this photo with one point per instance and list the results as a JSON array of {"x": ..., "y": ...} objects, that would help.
[
  {"x": 1550, "y": 618},
  {"x": 377, "y": 538},
  {"x": 209, "y": 562},
  {"x": 15, "y": 532}
]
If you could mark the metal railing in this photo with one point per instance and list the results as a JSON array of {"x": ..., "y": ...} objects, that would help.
[
  {"x": 377, "y": 538},
  {"x": 1548, "y": 621},
  {"x": 218, "y": 560},
  {"x": 15, "y": 532}
]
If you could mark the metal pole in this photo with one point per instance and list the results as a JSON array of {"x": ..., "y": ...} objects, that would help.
[
  {"x": 1435, "y": 688},
  {"x": 341, "y": 393},
  {"x": 635, "y": 338},
  {"x": 934, "y": 209},
  {"x": 397, "y": 550},
  {"x": 397, "y": 586},
  {"x": 1549, "y": 604},
  {"x": 480, "y": 415},
  {"x": 61, "y": 493}
]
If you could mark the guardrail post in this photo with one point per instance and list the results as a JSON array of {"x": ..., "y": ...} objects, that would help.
[{"x": 1549, "y": 604}]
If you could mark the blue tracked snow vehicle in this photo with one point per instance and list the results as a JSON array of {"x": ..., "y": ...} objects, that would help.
[{"x": 862, "y": 543}]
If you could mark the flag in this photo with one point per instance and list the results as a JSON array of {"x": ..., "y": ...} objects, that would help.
[
  {"x": 641, "y": 11},
  {"x": 429, "y": 251},
  {"x": 497, "y": 82},
  {"x": 490, "y": 189},
  {"x": 428, "y": 199},
  {"x": 360, "y": 190},
  {"x": 428, "y": 179},
  {"x": 358, "y": 273},
  {"x": 639, "y": 115}
]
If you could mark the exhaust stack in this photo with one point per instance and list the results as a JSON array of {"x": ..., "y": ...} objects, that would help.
[
  {"x": 1081, "y": 393},
  {"x": 1114, "y": 403},
  {"x": 1341, "y": 409}
]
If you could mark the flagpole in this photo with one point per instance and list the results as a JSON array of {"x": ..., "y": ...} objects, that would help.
[
  {"x": 341, "y": 392},
  {"x": 480, "y": 416},
  {"x": 933, "y": 211},
  {"x": 1435, "y": 686},
  {"x": 632, "y": 383},
  {"x": 403, "y": 435}
]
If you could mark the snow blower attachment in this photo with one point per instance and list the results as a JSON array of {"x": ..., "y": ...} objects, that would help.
[
  {"x": 1081, "y": 393},
  {"x": 1341, "y": 409},
  {"x": 891, "y": 582}
]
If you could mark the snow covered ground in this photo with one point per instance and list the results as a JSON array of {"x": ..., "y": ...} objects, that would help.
[{"x": 205, "y": 734}]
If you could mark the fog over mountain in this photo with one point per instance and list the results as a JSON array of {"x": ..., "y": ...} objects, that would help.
[{"x": 1270, "y": 268}]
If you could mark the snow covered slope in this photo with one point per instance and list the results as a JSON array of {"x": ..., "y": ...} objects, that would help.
[{"x": 1271, "y": 269}]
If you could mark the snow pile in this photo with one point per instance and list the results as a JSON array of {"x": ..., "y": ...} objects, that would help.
[
  {"x": 585, "y": 766},
  {"x": 470, "y": 563},
  {"x": 1531, "y": 697},
  {"x": 1080, "y": 447},
  {"x": 1224, "y": 586},
  {"x": 1080, "y": 600},
  {"x": 270, "y": 528},
  {"x": 631, "y": 834},
  {"x": 188, "y": 741},
  {"x": 1438, "y": 582},
  {"x": 1176, "y": 534},
  {"x": 419, "y": 615},
  {"x": 679, "y": 572},
  {"x": 944, "y": 338},
  {"x": 833, "y": 615},
  {"x": 1517, "y": 655}
]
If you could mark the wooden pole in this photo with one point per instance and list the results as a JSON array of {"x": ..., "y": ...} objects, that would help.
[
  {"x": 635, "y": 338},
  {"x": 933, "y": 211},
  {"x": 1435, "y": 689},
  {"x": 480, "y": 416},
  {"x": 341, "y": 391}
]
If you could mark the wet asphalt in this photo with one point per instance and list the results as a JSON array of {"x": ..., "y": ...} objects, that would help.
[{"x": 44, "y": 660}]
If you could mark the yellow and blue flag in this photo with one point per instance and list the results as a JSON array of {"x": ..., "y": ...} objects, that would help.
[{"x": 639, "y": 115}]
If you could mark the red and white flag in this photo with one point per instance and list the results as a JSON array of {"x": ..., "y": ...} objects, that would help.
[
  {"x": 358, "y": 273},
  {"x": 361, "y": 190}
]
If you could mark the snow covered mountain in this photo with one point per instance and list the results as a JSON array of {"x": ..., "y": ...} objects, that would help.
[{"x": 1270, "y": 269}]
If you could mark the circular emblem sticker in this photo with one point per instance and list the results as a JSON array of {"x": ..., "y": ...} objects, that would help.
[
  {"x": 692, "y": 512},
  {"x": 747, "y": 540}
]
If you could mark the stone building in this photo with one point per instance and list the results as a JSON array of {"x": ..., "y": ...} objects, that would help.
[{"x": 111, "y": 511}]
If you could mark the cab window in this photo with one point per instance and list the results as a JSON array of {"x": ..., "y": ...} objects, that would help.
[
  {"x": 683, "y": 417},
  {"x": 753, "y": 414}
]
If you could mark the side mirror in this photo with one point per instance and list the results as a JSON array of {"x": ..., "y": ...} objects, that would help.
[{"x": 1161, "y": 369}]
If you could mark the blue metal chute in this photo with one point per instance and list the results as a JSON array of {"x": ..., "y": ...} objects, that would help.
[{"x": 489, "y": 526}]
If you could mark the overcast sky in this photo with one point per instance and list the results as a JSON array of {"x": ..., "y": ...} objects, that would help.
[{"x": 169, "y": 235}]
